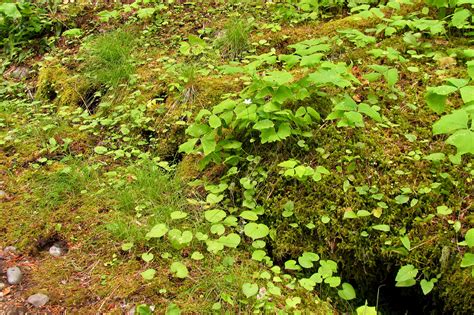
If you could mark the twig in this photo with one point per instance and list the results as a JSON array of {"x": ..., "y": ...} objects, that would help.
[{"x": 108, "y": 297}]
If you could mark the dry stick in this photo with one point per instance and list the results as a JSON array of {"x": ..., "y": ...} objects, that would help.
[
  {"x": 108, "y": 297},
  {"x": 83, "y": 100},
  {"x": 423, "y": 243},
  {"x": 29, "y": 93}
]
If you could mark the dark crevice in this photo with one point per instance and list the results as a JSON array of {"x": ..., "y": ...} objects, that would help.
[{"x": 92, "y": 98}]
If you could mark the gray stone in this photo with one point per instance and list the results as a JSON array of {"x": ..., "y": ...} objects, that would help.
[
  {"x": 3, "y": 195},
  {"x": 38, "y": 299},
  {"x": 20, "y": 73},
  {"x": 55, "y": 251},
  {"x": 14, "y": 275},
  {"x": 10, "y": 249}
]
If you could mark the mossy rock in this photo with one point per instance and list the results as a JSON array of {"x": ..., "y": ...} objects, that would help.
[
  {"x": 56, "y": 84},
  {"x": 370, "y": 159}
]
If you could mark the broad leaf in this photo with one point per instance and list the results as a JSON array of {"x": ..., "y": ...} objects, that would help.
[
  {"x": 179, "y": 270},
  {"x": 447, "y": 124},
  {"x": 249, "y": 289},
  {"x": 157, "y": 231},
  {"x": 255, "y": 230},
  {"x": 347, "y": 292}
]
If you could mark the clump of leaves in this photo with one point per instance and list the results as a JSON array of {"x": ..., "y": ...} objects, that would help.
[
  {"x": 234, "y": 39},
  {"x": 108, "y": 58},
  {"x": 23, "y": 25},
  {"x": 188, "y": 75}
]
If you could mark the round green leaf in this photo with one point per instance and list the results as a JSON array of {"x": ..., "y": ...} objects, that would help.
[
  {"x": 249, "y": 215},
  {"x": 147, "y": 257},
  {"x": 255, "y": 230},
  {"x": 427, "y": 286},
  {"x": 470, "y": 238},
  {"x": 347, "y": 292},
  {"x": 100, "y": 150},
  {"x": 148, "y": 274},
  {"x": 197, "y": 256},
  {"x": 443, "y": 210},
  {"x": 157, "y": 231},
  {"x": 215, "y": 215},
  {"x": 176, "y": 215},
  {"x": 249, "y": 289},
  {"x": 231, "y": 240},
  {"x": 127, "y": 246},
  {"x": 179, "y": 270},
  {"x": 306, "y": 260}
]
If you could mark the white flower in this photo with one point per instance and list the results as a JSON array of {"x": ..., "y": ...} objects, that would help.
[
  {"x": 261, "y": 293},
  {"x": 248, "y": 101}
]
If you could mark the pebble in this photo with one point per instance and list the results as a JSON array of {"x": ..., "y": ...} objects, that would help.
[
  {"x": 14, "y": 275},
  {"x": 446, "y": 62},
  {"x": 2, "y": 285},
  {"x": 38, "y": 299},
  {"x": 55, "y": 251},
  {"x": 10, "y": 249},
  {"x": 20, "y": 73},
  {"x": 3, "y": 195}
]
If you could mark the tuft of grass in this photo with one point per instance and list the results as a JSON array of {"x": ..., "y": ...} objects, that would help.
[
  {"x": 188, "y": 74},
  {"x": 145, "y": 196},
  {"x": 150, "y": 188},
  {"x": 122, "y": 228},
  {"x": 235, "y": 39},
  {"x": 108, "y": 58},
  {"x": 64, "y": 185}
]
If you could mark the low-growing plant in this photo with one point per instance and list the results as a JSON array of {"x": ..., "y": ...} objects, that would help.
[
  {"x": 23, "y": 25},
  {"x": 234, "y": 39},
  {"x": 108, "y": 58},
  {"x": 458, "y": 124}
]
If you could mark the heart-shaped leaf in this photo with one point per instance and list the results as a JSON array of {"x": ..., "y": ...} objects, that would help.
[
  {"x": 231, "y": 240},
  {"x": 215, "y": 215},
  {"x": 148, "y": 274},
  {"x": 179, "y": 270},
  {"x": 157, "y": 231},
  {"x": 176, "y": 215},
  {"x": 147, "y": 257},
  {"x": 249, "y": 289},
  {"x": 197, "y": 256},
  {"x": 347, "y": 292},
  {"x": 427, "y": 286},
  {"x": 256, "y": 231}
]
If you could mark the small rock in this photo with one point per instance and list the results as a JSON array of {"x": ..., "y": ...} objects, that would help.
[
  {"x": 2, "y": 285},
  {"x": 446, "y": 62},
  {"x": 3, "y": 195},
  {"x": 20, "y": 73},
  {"x": 12, "y": 310},
  {"x": 55, "y": 251},
  {"x": 38, "y": 299},
  {"x": 10, "y": 249},
  {"x": 14, "y": 275}
]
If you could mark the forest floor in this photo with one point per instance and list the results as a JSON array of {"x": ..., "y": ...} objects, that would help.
[{"x": 92, "y": 165}]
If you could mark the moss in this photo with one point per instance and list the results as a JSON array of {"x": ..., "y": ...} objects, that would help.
[
  {"x": 455, "y": 290},
  {"x": 369, "y": 157},
  {"x": 188, "y": 168},
  {"x": 56, "y": 84}
]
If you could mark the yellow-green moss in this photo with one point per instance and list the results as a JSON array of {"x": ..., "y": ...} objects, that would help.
[{"x": 56, "y": 84}]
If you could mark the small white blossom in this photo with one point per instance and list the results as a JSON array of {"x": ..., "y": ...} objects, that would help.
[
  {"x": 261, "y": 293},
  {"x": 248, "y": 101}
]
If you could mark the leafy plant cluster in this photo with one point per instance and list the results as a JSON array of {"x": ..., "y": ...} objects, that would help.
[
  {"x": 23, "y": 24},
  {"x": 280, "y": 167},
  {"x": 458, "y": 124},
  {"x": 108, "y": 58}
]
